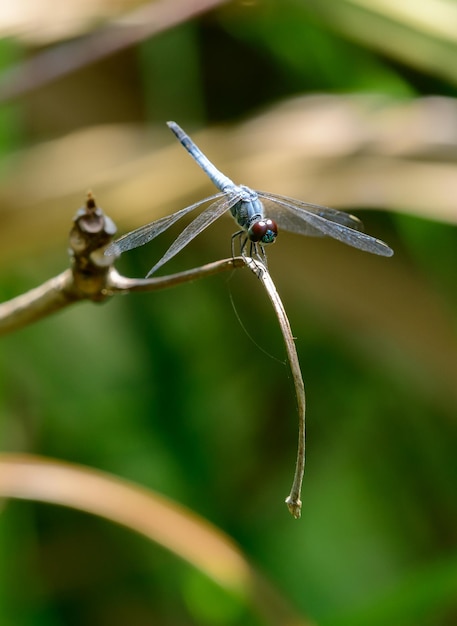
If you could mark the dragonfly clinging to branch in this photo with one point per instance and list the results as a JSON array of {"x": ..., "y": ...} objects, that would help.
[{"x": 259, "y": 215}]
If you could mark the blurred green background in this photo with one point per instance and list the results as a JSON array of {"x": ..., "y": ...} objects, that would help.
[{"x": 349, "y": 103}]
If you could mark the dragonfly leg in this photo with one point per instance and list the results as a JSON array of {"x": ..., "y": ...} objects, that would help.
[
  {"x": 258, "y": 256},
  {"x": 242, "y": 242},
  {"x": 260, "y": 253},
  {"x": 256, "y": 250}
]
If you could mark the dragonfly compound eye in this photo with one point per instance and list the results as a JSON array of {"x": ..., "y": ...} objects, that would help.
[{"x": 263, "y": 231}]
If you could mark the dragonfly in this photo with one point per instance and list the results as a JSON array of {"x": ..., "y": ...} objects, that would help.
[{"x": 259, "y": 216}]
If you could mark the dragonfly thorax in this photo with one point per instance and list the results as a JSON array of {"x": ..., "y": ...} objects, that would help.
[{"x": 247, "y": 207}]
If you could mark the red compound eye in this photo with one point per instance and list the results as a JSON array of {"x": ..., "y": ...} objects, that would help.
[{"x": 264, "y": 231}]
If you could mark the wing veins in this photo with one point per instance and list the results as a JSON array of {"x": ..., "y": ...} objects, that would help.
[
  {"x": 334, "y": 229},
  {"x": 144, "y": 234},
  {"x": 202, "y": 221}
]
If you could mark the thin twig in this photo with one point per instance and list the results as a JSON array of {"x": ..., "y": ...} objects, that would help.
[
  {"x": 293, "y": 500},
  {"x": 61, "y": 291},
  {"x": 116, "y": 283}
]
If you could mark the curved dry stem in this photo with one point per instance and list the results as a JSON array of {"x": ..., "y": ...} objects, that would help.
[
  {"x": 172, "y": 526},
  {"x": 293, "y": 500}
]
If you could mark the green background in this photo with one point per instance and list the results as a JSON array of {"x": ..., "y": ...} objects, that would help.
[{"x": 167, "y": 389}]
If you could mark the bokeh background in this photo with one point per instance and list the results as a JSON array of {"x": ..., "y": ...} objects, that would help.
[{"x": 347, "y": 103}]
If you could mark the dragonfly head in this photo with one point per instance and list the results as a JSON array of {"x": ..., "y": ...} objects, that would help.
[{"x": 263, "y": 231}]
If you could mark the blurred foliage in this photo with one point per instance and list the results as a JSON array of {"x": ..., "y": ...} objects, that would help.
[{"x": 167, "y": 390}]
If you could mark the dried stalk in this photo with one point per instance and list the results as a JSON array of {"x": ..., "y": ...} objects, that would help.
[{"x": 293, "y": 500}]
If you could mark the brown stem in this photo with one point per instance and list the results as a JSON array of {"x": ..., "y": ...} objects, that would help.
[
  {"x": 71, "y": 286},
  {"x": 121, "y": 284},
  {"x": 51, "y": 296},
  {"x": 293, "y": 500}
]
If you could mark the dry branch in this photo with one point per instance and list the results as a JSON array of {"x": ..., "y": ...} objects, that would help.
[{"x": 92, "y": 275}]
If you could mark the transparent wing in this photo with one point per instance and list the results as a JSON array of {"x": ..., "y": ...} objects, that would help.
[
  {"x": 312, "y": 219},
  {"x": 202, "y": 221},
  {"x": 295, "y": 222},
  {"x": 144, "y": 234}
]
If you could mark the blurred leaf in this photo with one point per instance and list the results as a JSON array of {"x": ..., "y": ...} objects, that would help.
[
  {"x": 318, "y": 58},
  {"x": 176, "y": 529},
  {"x": 416, "y": 33}
]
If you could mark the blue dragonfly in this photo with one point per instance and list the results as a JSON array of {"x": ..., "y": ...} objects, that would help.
[{"x": 251, "y": 210}]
